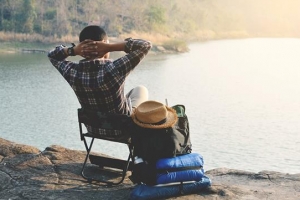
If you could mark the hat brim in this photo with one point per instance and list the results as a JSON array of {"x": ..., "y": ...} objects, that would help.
[{"x": 170, "y": 121}]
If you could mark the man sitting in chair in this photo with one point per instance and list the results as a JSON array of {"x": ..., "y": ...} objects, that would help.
[{"x": 97, "y": 81}]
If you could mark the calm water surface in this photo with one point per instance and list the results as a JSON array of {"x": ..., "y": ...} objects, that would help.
[{"x": 241, "y": 96}]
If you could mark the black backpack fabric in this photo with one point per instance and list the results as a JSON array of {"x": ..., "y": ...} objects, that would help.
[{"x": 153, "y": 144}]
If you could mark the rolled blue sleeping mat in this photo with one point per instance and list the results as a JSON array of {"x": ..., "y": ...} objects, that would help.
[
  {"x": 145, "y": 192},
  {"x": 188, "y": 167}
]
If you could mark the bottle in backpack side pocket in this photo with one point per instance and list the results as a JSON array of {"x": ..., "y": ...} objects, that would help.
[
  {"x": 138, "y": 170},
  {"x": 143, "y": 172}
]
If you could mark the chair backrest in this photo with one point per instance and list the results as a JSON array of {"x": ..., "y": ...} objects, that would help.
[{"x": 104, "y": 120}]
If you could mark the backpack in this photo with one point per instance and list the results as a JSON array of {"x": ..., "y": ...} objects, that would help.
[{"x": 153, "y": 144}]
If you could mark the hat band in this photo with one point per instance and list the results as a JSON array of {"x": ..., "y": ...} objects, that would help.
[{"x": 157, "y": 123}]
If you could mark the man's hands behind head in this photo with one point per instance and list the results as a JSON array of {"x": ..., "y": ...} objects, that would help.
[{"x": 91, "y": 49}]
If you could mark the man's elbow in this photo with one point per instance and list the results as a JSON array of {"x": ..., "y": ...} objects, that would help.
[{"x": 148, "y": 46}]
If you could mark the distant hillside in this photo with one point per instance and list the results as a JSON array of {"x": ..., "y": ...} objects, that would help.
[{"x": 159, "y": 20}]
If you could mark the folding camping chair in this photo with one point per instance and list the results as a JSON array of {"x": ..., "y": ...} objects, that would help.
[{"x": 107, "y": 122}]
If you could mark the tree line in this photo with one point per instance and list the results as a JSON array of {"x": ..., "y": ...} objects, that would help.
[
  {"x": 57, "y": 17},
  {"x": 176, "y": 18}
]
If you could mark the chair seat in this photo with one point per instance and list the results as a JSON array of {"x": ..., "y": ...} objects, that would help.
[{"x": 123, "y": 138}]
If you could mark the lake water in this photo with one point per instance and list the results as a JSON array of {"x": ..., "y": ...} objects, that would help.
[{"x": 241, "y": 96}]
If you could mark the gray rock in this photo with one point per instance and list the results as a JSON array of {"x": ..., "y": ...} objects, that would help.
[{"x": 54, "y": 174}]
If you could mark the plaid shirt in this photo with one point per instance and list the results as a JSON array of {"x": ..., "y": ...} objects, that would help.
[{"x": 99, "y": 84}]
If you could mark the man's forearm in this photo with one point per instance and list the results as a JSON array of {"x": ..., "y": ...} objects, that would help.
[
  {"x": 95, "y": 48},
  {"x": 116, "y": 46}
]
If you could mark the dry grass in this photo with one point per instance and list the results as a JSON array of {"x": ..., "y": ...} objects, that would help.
[
  {"x": 155, "y": 38},
  {"x": 24, "y": 37}
]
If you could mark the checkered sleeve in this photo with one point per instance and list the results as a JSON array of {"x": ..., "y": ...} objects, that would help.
[
  {"x": 58, "y": 59},
  {"x": 136, "y": 50}
]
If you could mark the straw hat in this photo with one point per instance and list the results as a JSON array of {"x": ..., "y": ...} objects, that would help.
[{"x": 155, "y": 115}]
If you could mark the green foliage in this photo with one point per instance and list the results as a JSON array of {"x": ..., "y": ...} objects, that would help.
[
  {"x": 156, "y": 15},
  {"x": 50, "y": 14},
  {"x": 28, "y": 14},
  {"x": 17, "y": 16},
  {"x": 7, "y": 25},
  {"x": 156, "y": 18},
  {"x": 37, "y": 28}
]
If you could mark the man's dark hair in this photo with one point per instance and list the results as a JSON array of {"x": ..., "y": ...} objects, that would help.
[{"x": 93, "y": 33}]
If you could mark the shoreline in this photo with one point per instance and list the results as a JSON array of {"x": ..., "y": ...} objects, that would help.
[{"x": 38, "y": 47}]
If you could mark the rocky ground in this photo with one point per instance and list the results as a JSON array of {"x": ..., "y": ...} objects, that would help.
[{"x": 54, "y": 174}]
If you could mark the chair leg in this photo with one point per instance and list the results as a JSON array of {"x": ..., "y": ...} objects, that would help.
[
  {"x": 88, "y": 149},
  {"x": 124, "y": 170}
]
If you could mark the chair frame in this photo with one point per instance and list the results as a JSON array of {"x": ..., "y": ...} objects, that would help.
[{"x": 120, "y": 123}]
